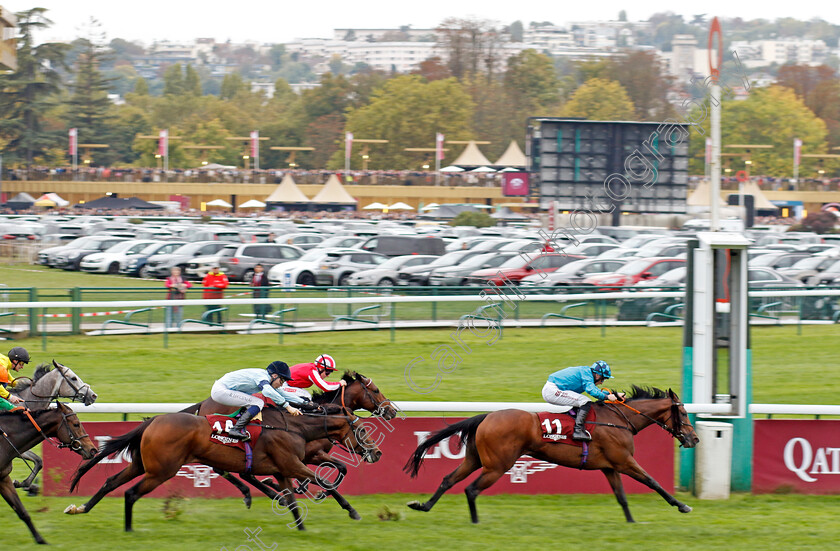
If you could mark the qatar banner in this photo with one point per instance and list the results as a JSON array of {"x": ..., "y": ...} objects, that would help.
[
  {"x": 515, "y": 183},
  {"x": 798, "y": 455},
  {"x": 397, "y": 439}
]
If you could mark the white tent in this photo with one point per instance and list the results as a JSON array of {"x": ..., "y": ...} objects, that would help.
[
  {"x": 55, "y": 199},
  {"x": 287, "y": 192},
  {"x": 430, "y": 206},
  {"x": 219, "y": 203},
  {"x": 252, "y": 204},
  {"x": 700, "y": 197},
  {"x": 375, "y": 206},
  {"x": 215, "y": 166},
  {"x": 761, "y": 201},
  {"x": 483, "y": 169},
  {"x": 512, "y": 156},
  {"x": 400, "y": 206},
  {"x": 334, "y": 192},
  {"x": 452, "y": 169},
  {"x": 471, "y": 156}
]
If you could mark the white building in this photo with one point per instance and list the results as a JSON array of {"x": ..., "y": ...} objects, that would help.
[{"x": 793, "y": 50}]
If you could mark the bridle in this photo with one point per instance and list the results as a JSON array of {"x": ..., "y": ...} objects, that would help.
[
  {"x": 75, "y": 443},
  {"x": 78, "y": 395},
  {"x": 366, "y": 388},
  {"x": 674, "y": 418}
]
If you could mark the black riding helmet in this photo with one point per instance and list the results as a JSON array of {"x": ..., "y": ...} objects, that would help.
[
  {"x": 19, "y": 354},
  {"x": 281, "y": 369}
]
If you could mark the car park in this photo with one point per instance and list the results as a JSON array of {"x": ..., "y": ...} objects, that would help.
[
  {"x": 71, "y": 257},
  {"x": 399, "y": 245},
  {"x": 385, "y": 274},
  {"x": 457, "y": 275},
  {"x": 634, "y": 271},
  {"x": 137, "y": 264},
  {"x": 305, "y": 241},
  {"x": 160, "y": 265},
  {"x": 301, "y": 271},
  {"x": 337, "y": 267},
  {"x": 238, "y": 261},
  {"x": 419, "y": 275},
  {"x": 109, "y": 260},
  {"x": 573, "y": 273},
  {"x": 520, "y": 266}
]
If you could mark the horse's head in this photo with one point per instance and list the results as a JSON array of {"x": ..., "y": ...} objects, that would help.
[
  {"x": 362, "y": 393},
  {"x": 681, "y": 426},
  {"x": 67, "y": 384},
  {"x": 353, "y": 434},
  {"x": 72, "y": 434}
]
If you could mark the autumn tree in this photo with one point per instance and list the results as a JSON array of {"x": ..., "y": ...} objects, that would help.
[
  {"x": 600, "y": 99},
  {"x": 819, "y": 89},
  {"x": 472, "y": 46},
  {"x": 640, "y": 73},
  {"x": 433, "y": 69}
]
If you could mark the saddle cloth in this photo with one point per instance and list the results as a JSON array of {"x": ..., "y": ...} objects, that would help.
[
  {"x": 558, "y": 427},
  {"x": 220, "y": 424}
]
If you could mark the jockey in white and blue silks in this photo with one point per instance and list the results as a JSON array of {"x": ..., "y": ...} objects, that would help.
[
  {"x": 564, "y": 388},
  {"x": 236, "y": 389}
]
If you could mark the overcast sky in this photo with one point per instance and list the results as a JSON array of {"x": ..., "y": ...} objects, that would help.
[{"x": 283, "y": 21}]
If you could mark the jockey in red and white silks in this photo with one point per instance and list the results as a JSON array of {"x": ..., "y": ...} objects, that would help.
[{"x": 306, "y": 375}]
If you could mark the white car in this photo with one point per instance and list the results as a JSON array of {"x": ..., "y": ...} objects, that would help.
[
  {"x": 386, "y": 273},
  {"x": 301, "y": 271},
  {"x": 109, "y": 261}
]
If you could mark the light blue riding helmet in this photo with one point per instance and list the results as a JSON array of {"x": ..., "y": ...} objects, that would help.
[{"x": 602, "y": 368}]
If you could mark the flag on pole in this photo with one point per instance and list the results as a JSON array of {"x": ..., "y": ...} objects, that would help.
[
  {"x": 797, "y": 151},
  {"x": 73, "y": 149},
  {"x": 439, "y": 145},
  {"x": 255, "y": 144},
  {"x": 163, "y": 143},
  {"x": 348, "y": 145},
  {"x": 708, "y": 151}
]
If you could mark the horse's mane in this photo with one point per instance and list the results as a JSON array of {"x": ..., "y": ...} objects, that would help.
[
  {"x": 348, "y": 377},
  {"x": 646, "y": 393},
  {"x": 25, "y": 382}
]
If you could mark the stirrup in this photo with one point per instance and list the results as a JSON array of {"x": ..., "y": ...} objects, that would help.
[{"x": 586, "y": 436}]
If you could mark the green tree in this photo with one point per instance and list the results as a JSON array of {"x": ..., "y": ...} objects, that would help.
[
  {"x": 173, "y": 80},
  {"x": 600, "y": 99},
  {"x": 477, "y": 219},
  {"x": 141, "y": 87},
  {"x": 641, "y": 74},
  {"x": 192, "y": 82},
  {"x": 531, "y": 83},
  {"x": 408, "y": 111},
  {"x": 232, "y": 84},
  {"x": 28, "y": 92}
]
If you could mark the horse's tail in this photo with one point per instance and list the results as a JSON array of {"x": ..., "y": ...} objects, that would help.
[
  {"x": 130, "y": 440},
  {"x": 466, "y": 429}
]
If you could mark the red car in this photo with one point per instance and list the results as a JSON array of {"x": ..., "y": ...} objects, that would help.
[
  {"x": 634, "y": 272},
  {"x": 520, "y": 266}
]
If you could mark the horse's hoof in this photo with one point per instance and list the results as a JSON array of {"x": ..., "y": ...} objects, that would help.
[
  {"x": 355, "y": 515},
  {"x": 684, "y": 508},
  {"x": 41, "y": 541},
  {"x": 73, "y": 510},
  {"x": 247, "y": 501},
  {"x": 33, "y": 490},
  {"x": 416, "y": 505}
]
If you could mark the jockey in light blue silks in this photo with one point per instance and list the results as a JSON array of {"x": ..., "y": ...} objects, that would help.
[
  {"x": 564, "y": 388},
  {"x": 236, "y": 389}
]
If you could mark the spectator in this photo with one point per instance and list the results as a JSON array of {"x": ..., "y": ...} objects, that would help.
[
  {"x": 177, "y": 286},
  {"x": 259, "y": 282},
  {"x": 215, "y": 283}
]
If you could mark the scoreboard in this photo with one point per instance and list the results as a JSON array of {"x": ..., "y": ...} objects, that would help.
[{"x": 606, "y": 166}]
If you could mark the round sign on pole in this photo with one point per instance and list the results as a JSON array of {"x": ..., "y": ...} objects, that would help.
[
  {"x": 741, "y": 175},
  {"x": 714, "y": 69}
]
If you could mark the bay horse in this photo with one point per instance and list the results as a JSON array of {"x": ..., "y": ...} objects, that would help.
[
  {"x": 494, "y": 441},
  {"x": 360, "y": 392},
  {"x": 162, "y": 444},
  {"x": 38, "y": 392},
  {"x": 20, "y": 434}
]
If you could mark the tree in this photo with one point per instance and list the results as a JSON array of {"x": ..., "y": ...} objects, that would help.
[
  {"x": 89, "y": 106},
  {"x": 28, "y": 92},
  {"x": 622, "y": 15},
  {"x": 232, "y": 84},
  {"x": 517, "y": 31},
  {"x": 531, "y": 83},
  {"x": 173, "y": 80},
  {"x": 477, "y": 219},
  {"x": 408, "y": 112},
  {"x": 817, "y": 222},
  {"x": 600, "y": 99},
  {"x": 192, "y": 82},
  {"x": 432, "y": 69},
  {"x": 819, "y": 89},
  {"x": 141, "y": 87},
  {"x": 472, "y": 46},
  {"x": 640, "y": 73}
]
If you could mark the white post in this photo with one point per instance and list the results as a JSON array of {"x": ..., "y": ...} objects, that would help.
[{"x": 714, "y": 187}]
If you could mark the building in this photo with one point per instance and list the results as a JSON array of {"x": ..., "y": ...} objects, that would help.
[{"x": 8, "y": 46}]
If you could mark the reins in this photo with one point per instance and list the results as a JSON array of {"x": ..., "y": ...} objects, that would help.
[{"x": 632, "y": 428}]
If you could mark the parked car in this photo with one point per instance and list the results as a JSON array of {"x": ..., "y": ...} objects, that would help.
[
  {"x": 337, "y": 267},
  {"x": 385, "y": 274},
  {"x": 301, "y": 271},
  {"x": 457, "y": 275},
  {"x": 108, "y": 261},
  {"x": 520, "y": 266},
  {"x": 591, "y": 249},
  {"x": 137, "y": 264},
  {"x": 419, "y": 275},
  {"x": 305, "y": 241},
  {"x": 573, "y": 273},
  {"x": 226, "y": 235},
  {"x": 341, "y": 242},
  {"x": 238, "y": 261},
  {"x": 806, "y": 268},
  {"x": 71, "y": 258},
  {"x": 161, "y": 264},
  {"x": 399, "y": 245},
  {"x": 633, "y": 272},
  {"x": 777, "y": 260}
]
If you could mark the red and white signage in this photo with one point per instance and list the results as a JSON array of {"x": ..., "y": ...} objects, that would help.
[
  {"x": 397, "y": 439},
  {"x": 163, "y": 143},
  {"x": 803, "y": 456},
  {"x": 73, "y": 148},
  {"x": 255, "y": 144},
  {"x": 515, "y": 183}
]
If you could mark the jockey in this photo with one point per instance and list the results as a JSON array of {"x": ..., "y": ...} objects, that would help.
[
  {"x": 236, "y": 389},
  {"x": 564, "y": 388},
  {"x": 16, "y": 359},
  {"x": 306, "y": 375}
]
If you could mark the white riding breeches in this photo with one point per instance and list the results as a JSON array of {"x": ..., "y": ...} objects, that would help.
[
  {"x": 228, "y": 397},
  {"x": 552, "y": 394},
  {"x": 295, "y": 391}
]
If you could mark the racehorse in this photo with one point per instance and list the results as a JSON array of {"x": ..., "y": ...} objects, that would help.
[
  {"x": 360, "y": 392},
  {"x": 494, "y": 441},
  {"x": 46, "y": 385},
  {"x": 162, "y": 444},
  {"x": 20, "y": 433}
]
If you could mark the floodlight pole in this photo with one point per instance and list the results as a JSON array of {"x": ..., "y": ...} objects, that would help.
[{"x": 714, "y": 69}]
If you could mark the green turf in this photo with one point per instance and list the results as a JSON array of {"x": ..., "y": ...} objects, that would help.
[{"x": 507, "y": 522}]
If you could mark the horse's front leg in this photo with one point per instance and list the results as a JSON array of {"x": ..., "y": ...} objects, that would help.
[
  {"x": 246, "y": 493},
  {"x": 618, "y": 489},
  {"x": 632, "y": 469},
  {"x": 322, "y": 459}
]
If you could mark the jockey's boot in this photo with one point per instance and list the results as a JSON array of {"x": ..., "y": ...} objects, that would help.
[
  {"x": 580, "y": 432},
  {"x": 238, "y": 430}
]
